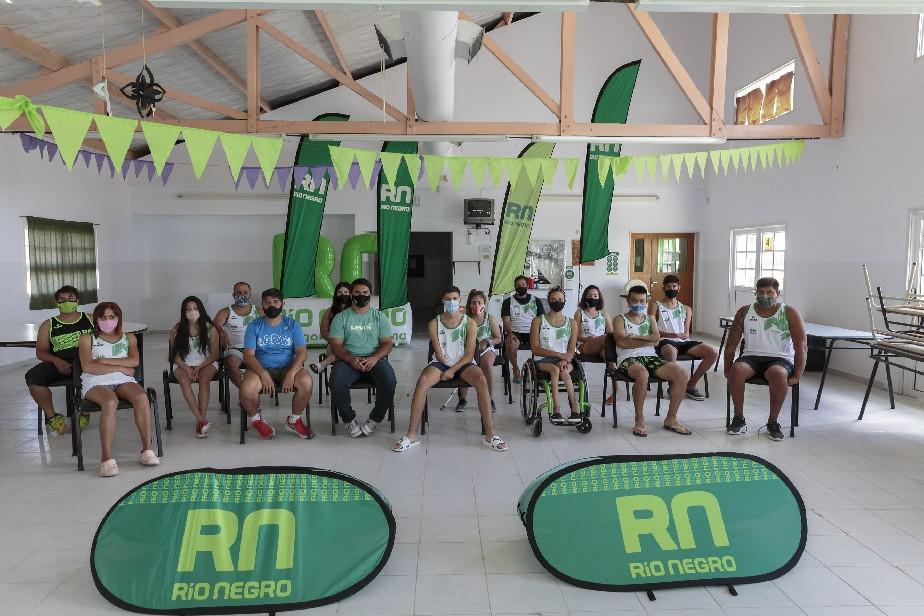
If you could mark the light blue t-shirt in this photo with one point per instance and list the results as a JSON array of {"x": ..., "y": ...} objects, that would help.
[
  {"x": 360, "y": 333},
  {"x": 274, "y": 345}
]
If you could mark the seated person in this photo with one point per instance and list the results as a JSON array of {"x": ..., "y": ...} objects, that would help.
[
  {"x": 774, "y": 348},
  {"x": 517, "y": 316},
  {"x": 193, "y": 353},
  {"x": 340, "y": 302},
  {"x": 231, "y": 322},
  {"x": 108, "y": 359},
  {"x": 635, "y": 334},
  {"x": 275, "y": 353},
  {"x": 452, "y": 335},
  {"x": 487, "y": 338},
  {"x": 553, "y": 338},
  {"x": 674, "y": 319},
  {"x": 361, "y": 339},
  {"x": 592, "y": 323},
  {"x": 56, "y": 347}
]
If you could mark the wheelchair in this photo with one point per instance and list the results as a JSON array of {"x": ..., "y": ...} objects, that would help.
[{"x": 536, "y": 383}]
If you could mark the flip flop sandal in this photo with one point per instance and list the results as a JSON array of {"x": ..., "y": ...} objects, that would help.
[
  {"x": 404, "y": 444},
  {"x": 314, "y": 368},
  {"x": 84, "y": 421},
  {"x": 639, "y": 432},
  {"x": 679, "y": 428},
  {"x": 56, "y": 423},
  {"x": 496, "y": 443}
]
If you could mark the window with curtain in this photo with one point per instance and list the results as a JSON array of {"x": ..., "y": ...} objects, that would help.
[{"x": 59, "y": 252}]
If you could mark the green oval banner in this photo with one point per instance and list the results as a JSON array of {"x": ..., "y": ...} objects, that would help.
[
  {"x": 261, "y": 539},
  {"x": 625, "y": 523}
]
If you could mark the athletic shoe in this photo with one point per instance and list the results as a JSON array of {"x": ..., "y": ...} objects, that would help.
[
  {"x": 574, "y": 418},
  {"x": 737, "y": 426},
  {"x": 461, "y": 405},
  {"x": 556, "y": 416},
  {"x": 202, "y": 429},
  {"x": 299, "y": 428},
  {"x": 609, "y": 400},
  {"x": 775, "y": 431},
  {"x": 109, "y": 468},
  {"x": 355, "y": 430},
  {"x": 56, "y": 424},
  {"x": 148, "y": 458},
  {"x": 266, "y": 431},
  {"x": 84, "y": 421},
  {"x": 695, "y": 394},
  {"x": 369, "y": 427}
]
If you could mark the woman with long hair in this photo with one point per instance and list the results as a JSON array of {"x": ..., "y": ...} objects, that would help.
[
  {"x": 340, "y": 302},
  {"x": 592, "y": 323},
  {"x": 194, "y": 349},
  {"x": 553, "y": 338},
  {"x": 487, "y": 337},
  {"x": 108, "y": 358}
]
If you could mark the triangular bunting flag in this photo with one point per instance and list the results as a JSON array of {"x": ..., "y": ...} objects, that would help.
[
  {"x": 252, "y": 174},
  {"x": 126, "y": 165},
  {"x": 235, "y": 147},
  {"x": 282, "y": 176},
  {"x": 52, "y": 149},
  {"x": 735, "y": 155},
  {"x": 639, "y": 163},
  {"x": 391, "y": 161},
  {"x": 457, "y": 166},
  {"x": 150, "y": 167},
  {"x": 476, "y": 166},
  {"x": 531, "y": 166},
  {"x": 9, "y": 111},
  {"x": 139, "y": 167},
  {"x": 117, "y": 134},
  {"x": 603, "y": 168},
  {"x": 100, "y": 161},
  {"x": 665, "y": 161},
  {"x": 42, "y": 146},
  {"x": 620, "y": 165},
  {"x": 714, "y": 159},
  {"x": 299, "y": 173},
  {"x": 366, "y": 160},
  {"x": 27, "y": 142},
  {"x": 165, "y": 174},
  {"x": 112, "y": 169},
  {"x": 342, "y": 159},
  {"x": 496, "y": 168},
  {"x": 762, "y": 153},
  {"x": 754, "y": 150},
  {"x": 689, "y": 160},
  {"x": 355, "y": 173},
  {"x": 514, "y": 168},
  {"x": 571, "y": 167},
  {"x": 701, "y": 161},
  {"x": 677, "y": 160},
  {"x": 434, "y": 166},
  {"x": 317, "y": 174},
  {"x": 161, "y": 138},
  {"x": 267, "y": 150},
  {"x": 724, "y": 158},
  {"x": 745, "y": 158},
  {"x": 85, "y": 157},
  {"x": 69, "y": 128},
  {"x": 549, "y": 166},
  {"x": 413, "y": 166},
  {"x": 199, "y": 146},
  {"x": 12, "y": 108},
  {"x": 651, "y": 162}
]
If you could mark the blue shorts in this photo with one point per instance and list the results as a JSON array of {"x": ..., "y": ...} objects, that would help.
[{"x": 546, "y": 360}]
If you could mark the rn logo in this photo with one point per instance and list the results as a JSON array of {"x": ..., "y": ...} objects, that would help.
[
  {"x": 213, "y": 533},
  {"x": 520, "y": 212},
  {"x": 309, "y": 185},
  {"x": 604, "y": 148},
  {"x": 401, "y": 194}
]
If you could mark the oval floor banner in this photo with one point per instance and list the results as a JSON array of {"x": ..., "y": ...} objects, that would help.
[
  {"x": 262, "y": 539},
  {"x": 625, "y": 523}
]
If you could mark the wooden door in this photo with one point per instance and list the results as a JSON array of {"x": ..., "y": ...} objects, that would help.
[{"x": 655, "y": 255}]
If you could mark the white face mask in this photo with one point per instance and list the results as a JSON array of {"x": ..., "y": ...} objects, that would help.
[{"x": 192, "y": 315}]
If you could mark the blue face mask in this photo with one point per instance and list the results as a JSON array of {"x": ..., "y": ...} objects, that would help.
[
  {"x": 450, "y": 305},
  {"x": 638, "y": 308},
  {"x": 241, "y": 300}
]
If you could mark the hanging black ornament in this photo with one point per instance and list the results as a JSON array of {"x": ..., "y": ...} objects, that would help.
[{"x": 144, "y": 91}]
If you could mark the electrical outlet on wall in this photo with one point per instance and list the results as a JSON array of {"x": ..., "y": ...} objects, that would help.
[{"x": 484, "y": 252}]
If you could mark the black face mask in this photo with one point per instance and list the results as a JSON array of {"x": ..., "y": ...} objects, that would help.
[
  {"x": 557, "y": 306},
  {"x": 344, "y": 300},
  {"x": 591, "y": 302},
  {"x": 272, "y": 312},
  {"x": 671, "y": 293},
  {"x": 521, "y": 291},
  {"x": 362, "y": 300}
]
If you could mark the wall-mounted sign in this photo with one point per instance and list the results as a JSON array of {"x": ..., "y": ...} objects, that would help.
[
  {"x": 263, "y": 539},
  {"x": 625, "y": 523}
]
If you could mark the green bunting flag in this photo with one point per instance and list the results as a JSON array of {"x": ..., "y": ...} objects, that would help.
[
  {"x": 395, "y": 208},
  {"x": 531, "y": 167},
  {"x": 434, "y": 166},
  {"x": 12, "y": 108},
  {"x": 390, "y": 163},
  {"x": 677, "y": 160},
  {"x": 413, "y": 165},
  {"x": 341, "y": 159},
  {"x": 366, "y": 161},
  {"x": 457, "y": 166},
  {"x": 496, "y": 167},
  {"x": 664, "y": 161},
  {"x": 199, "y": 145},
  {"x": 477, "y": 166},
  {"x": 69, "y": 129},
  {"x": 690, "y": 161},
  {"x": 549, "y": 166},
  {"x": 117, "y": 134},
  {"x": 514, "y": 170},
  {"x": 714, "y": 159},
  {"x": 267, "y": 150},
  {"x": 571, "y": 166},
  {"x": 603, "y": 169},
  {"x": 161, "y": 138},
  {"x": 701, "y": 161},
  {"x": 235, "y": 147}
]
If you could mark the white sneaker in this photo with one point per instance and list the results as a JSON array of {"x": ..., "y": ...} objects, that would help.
[
  {"x": 369, "y": 427},
  {"x": 355, "y": 430},
  {"x": 148, "y": 458}
]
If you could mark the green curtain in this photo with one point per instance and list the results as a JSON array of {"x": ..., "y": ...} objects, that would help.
[{"x": 60, "y": 252}]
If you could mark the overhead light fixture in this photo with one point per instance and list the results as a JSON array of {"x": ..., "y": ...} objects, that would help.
[
  {"x": 627, "y": 139},
  {"x": 825, "y": 7},
  {"x": 412, "y": 138},
  {"x": 393, "y": 5}
]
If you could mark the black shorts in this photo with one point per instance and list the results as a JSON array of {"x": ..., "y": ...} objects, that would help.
[
  {"x": 443, "y": 367},
  {"x": 44, "y": 374},
  {"x": 682, "y": 346},
  {"x": 760, "y": 364},
  {"x": 524, "y": 340}
]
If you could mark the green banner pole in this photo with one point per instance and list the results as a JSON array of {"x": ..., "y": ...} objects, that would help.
[
  {"x": 394, "y": 214},
  {"x": 612, "y": 107},
  {"x": 516, "y": 224},
  {"x": 306, "y": 212}
]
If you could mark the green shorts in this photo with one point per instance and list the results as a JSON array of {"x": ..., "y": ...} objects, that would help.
[
  {"x": 277, "y": 374},
  {"x": 649, "y": 362}
]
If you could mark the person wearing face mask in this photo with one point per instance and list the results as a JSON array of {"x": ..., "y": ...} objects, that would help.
[
  {"x": 774, "y": 348},
  {"x": 517, "y": 314},
  {"x": 231, "y": 323},
  {"x": 341, "y": 301},
  {"x": 193, "y": 353},
  {"x": 361, "y": 339},
  {"x": 635, "y": 334},
  {"x": 453, "y": 336},
  {"x": 592, "y": 323},
  {"x": 275, "y": 354},
  {"x": 487, "y": 337},
  {"x": 553, "y": 338},
  {"x": 56, "y": 347},
  {"x": 674, "y": 320},
  {"x": 108, "y": 358}
]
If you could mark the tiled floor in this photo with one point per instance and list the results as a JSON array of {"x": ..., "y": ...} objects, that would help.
[{"x": 460, "y": 548}]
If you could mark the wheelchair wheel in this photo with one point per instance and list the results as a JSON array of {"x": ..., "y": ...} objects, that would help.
[
  {"x": 529, "y": 393},
  {"x": 585, "y": 426},
  {"x": 537, "y": 426}
]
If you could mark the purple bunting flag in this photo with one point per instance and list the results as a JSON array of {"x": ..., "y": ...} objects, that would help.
[
  {"x": 139, "y": 166},
  {"x": 165, "y": 173},
  {"x": 252, "y": 174},
  {"x": 126, "y": 165},
  {"x": 299, "y": 177},
  {"x": 85, "y": 157},
  {"x": 282, "y": 176},
  {"x": 317, "y": 175},
  {"x": 52, "y": 150}
]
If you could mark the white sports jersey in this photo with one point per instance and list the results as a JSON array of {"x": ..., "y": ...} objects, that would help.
[
  {"x": 641, "y": 329},
  {"x": 768, "y": 337}
]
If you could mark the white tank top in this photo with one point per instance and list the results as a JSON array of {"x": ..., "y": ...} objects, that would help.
[
  {"x": 768, "y": 337},
  {"x": 452, "y": 341},
  {"x": 196, "y": 355},
  {"x": 672, "y": 320},
  {"x": 554, "y": 338},
  {"x": 484, "y": 330},
  {"x": 235, "y": 326},
  {"x": 103, "y": 349},
  {"x": 642, "y": 329},
  {"x": 593, "y": 326},
  {"x": 522, "y": 315}
]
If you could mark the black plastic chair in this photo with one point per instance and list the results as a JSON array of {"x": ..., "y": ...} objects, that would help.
[
  {"x": 793, "y": 409},
  {"x": 244, "y": 417},
  {"x": 85, "y": 406},
  {"x": 324, "y": 383},
  {"x": 450, "y": 384},
  {"x": 613, "y": 375},
  {"x": 68, "y": 384},
  {"x": 366, "y": 383},
  {"x": 224, "y": 397}
]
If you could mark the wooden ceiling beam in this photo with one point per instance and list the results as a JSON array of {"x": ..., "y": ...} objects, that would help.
[
  {"x": 253, "y": 72},
  {"x": 811, "y": 65},
  {"x": 31, "y": 50},
  {"x": 717, "y": 74},
  {"x": 838, "y": 73},
  {"x": 329, "y": 33},
  {"x": 566, "y": 87}
]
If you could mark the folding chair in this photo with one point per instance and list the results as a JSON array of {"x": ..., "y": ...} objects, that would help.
[
  {"x": 224, "y": 398},
  {"x": 450, "y": 384},
  {"x": 364, "y": 382}
]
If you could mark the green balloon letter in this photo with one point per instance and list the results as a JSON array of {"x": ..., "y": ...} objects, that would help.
[{"x": 351, "y": 256}]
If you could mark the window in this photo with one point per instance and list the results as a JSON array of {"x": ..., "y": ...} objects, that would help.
[
  {"x": 672, "y": 254},
  {"x": 916, "y": 251},
  {"x": 766, "y": 98},
  {"x": 59, "y": 252},
  {"x": 920, "y": 35},
  {"x": 757, "y": 253}
]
